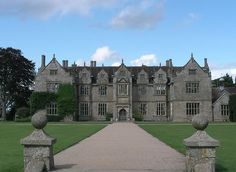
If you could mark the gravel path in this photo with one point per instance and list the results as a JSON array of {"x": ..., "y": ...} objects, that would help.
[{"x": 120, "y": 147}]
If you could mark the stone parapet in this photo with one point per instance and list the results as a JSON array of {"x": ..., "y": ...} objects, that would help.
[
  {"x": 200, "y": 148},
  {"x": 38, "y": 146}
]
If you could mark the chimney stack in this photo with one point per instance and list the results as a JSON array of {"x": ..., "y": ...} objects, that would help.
[
  {"x": 65, "y": 63},
  {"x": 43, "y": 57},
  {"x": 92, "y": 63},
  {"x": 167, "y": 63},
  {"x": 170, "y": 62}
]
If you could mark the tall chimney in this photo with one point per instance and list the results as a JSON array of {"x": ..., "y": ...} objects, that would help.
[
  {"x": 64, "y": 63},
  {"x": 43, "y": 57},
  {"x": 92, "y": 63},
  {"x": 167, "y": 63},
  {"x": 170, "y": 62}
]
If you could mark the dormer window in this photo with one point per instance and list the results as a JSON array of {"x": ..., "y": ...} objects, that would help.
[
  {"x": 192, "y": 71},
  {"x": 160, "y": 76},
  {"x": 142, "y": 76},
  {"x": 84, "y": 75},
  {"x": 53, "y": 72}
]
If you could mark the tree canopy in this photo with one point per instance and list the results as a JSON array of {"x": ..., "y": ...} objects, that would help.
[
  {"x": 226, "y": 80},
  {"x": 16, "y": 77}
]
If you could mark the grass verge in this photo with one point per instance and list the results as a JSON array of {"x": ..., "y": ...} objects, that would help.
[
  {"x": 173, "y": 136},
  {"x": 11, "y": 152}
]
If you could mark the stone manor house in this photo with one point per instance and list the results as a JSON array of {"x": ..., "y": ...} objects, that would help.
[{"x": 159, "y": 93}]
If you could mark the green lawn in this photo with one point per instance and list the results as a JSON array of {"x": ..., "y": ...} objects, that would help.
[
  {"x": 173, "y": 135},
  {"x": 11, "y": 152}
]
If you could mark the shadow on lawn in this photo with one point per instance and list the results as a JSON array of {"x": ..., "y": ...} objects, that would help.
[{"x": 220, "y": 168}]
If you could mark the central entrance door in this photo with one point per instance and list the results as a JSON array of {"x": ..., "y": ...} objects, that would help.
[{"x": 122, "y": 115}]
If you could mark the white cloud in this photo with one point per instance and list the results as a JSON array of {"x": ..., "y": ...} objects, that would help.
[
  {"x": 148, "y": 59},
  {"x": 116, "y": 64},
  {"x": 142, "y": 15},
  {"x": 218, "y": 71},
  {"x": 105, "y": 53},
  {"x": 191, "y": 18},
  {"x": 80, "y": 62},
  {"x": 45, "y": 9}
]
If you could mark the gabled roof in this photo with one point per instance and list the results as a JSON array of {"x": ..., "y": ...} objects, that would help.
[
  {"x": 218, "y": 92},
  {"x": 194, "y": 61},
  {"x": 230, "y": 90}
]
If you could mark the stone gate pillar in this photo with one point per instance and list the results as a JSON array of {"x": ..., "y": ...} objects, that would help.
[
  {"x": 200, "y": 148},
  {"x": 38, "y": 146}
]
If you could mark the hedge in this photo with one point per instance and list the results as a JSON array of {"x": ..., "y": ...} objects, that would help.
[{"x": 232, "y": 107}]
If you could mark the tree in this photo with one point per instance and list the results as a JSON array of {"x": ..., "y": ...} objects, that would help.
[
  {"x": 16, "y": 78},
  {"x": 66, "y": 100},
  {"x": 226, "y": 80}
]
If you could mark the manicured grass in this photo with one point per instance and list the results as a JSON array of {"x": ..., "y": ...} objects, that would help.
[
  {"x": 173, "y": 135},
  {"x": 11, "y": 152}
]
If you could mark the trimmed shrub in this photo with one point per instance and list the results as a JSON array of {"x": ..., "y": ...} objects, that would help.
[
  {"x": 22, "y": 112},
  {"x": 232, "y": 107},
  {"x": 137, "y": 116},
  {"x": 109, "y": 116},
  {"x": 26, "y": 119}
]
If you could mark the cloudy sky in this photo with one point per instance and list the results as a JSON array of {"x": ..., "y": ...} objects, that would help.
[{"x": 138, "y": 31}]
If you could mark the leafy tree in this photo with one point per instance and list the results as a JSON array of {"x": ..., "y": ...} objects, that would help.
[
  {"x": 66, "y": 101},
  {"x": 16, "y": 77},
  {"x": 227, "y": 81}
]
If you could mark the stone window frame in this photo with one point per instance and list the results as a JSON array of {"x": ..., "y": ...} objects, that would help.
[
  {"x": 160, "y": 89},
  {"x": 51, "y": 108},
  {"x": 52, "y": 86},
  {"x": 192, "y": 87},
  {"x": 102, "y": 90},
  {"x": 160, "y": 76},
  {"x": 143, "y": 109},
  {"x": 84, "y": 109},
  {"x": 142, "y": 89},
  {"x": 224, "y": 109},
  {"x": 192, "y": 71},
  {"x": 161, "y": 108},
  {"x": 84, "y": 90},
  {"x": 192, "y": 108},
  {"x": 53, "y": 71},
  {"x": 102, "y": 109},
  {"x": 123, "y": 89}
]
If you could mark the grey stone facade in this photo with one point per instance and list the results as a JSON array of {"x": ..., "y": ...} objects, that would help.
[
  {"x": 160, "y": 93},
  {"x": 220, "y": 103}
]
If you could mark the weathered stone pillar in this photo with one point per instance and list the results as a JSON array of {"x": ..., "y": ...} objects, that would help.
[
  {"x": 38, "y": 146},
  {"x": 200, "y": 148}
]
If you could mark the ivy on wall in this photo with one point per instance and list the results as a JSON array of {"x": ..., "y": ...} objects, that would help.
[
  {"x": 66, "y": 100},
  {"x": 39, "y": 100},
  {"x": 232, "y": 107}
]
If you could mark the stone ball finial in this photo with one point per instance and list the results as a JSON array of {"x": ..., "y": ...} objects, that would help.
[
  {"x": 39, "y": 119},
  {"x": 200, "y": 122}
]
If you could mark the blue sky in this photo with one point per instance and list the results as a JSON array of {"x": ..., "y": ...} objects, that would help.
[{"x": 138, "y": 31}]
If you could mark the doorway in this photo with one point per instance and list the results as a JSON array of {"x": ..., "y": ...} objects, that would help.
[{"x": 122, "y": 115}]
